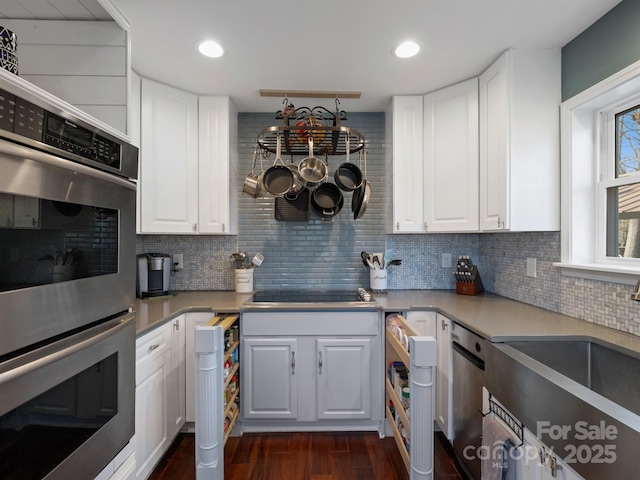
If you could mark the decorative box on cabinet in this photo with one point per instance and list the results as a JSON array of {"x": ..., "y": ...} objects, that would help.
[
  {"x": 418, "y": 354},
  {"x": 520, "y": 141}
]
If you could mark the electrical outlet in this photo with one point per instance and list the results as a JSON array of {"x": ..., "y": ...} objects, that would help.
[
  {"x": 531, "y": 267},
  {"x": 177, "y": 262},
  {"x": 446, "y": 260}
]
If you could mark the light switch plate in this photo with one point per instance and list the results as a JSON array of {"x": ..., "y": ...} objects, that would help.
[{"x": 446, "y": 260}]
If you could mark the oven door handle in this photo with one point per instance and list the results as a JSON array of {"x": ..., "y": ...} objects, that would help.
[{"x": 49, "y": 354}]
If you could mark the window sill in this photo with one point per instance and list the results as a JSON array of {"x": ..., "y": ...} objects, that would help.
[{"x": 605, "y": 273}]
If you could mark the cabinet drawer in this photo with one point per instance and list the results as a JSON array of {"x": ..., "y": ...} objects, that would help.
[
  {"x": 311, "y": 323},
  {"x": 153, "y": 344}
]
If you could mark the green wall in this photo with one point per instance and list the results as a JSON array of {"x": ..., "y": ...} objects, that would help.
[{"x": 606, "y": 47}]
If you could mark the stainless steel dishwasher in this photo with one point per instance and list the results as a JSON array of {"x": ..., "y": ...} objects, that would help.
[{"x": 468, "y": 380}]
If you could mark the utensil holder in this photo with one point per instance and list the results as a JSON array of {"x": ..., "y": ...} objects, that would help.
[
  {"x": 378, "y": 280},
  {"x": 473, "y": 287},
  {"x": 244, "y": 280}
]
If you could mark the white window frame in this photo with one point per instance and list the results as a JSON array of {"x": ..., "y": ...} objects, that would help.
[{"x": 586, "y": 134}]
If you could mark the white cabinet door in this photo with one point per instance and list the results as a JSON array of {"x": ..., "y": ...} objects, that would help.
[
  {"x": 218, "y": 133},
  {"x": 494, "y": 146},
  {"x": 519, "y": 99},
  {"x": 406, "y": 115},
  {"x": 269, "y": 378},
  {"x": 451, "y": 158},
  {"x": 192, "y": 320},
  {"x": 153, "y": 362},
  {"x": 343, "y": 378},
  {"x": 539, "y": 462},
  {"x": 422, "y": 322},
  {"x": 176, "y": 378},
  {"x": 444, "y": 377},
  {"x": 168, "y": 159}
]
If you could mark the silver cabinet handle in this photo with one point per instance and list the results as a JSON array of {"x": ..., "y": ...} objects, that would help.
[
  {"x": 320, "y": 363},
  {"x": 195, "y": 227},
  {"x": 176, "y": 325},
  {"x": 443, "y": 324},
  {"x": 153, "y": 347},
  {"x": 293, "y": 363},
  {"x": 553, "y": 464}
]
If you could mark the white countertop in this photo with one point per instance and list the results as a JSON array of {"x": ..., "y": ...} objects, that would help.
[{"x": 493, "y": 317}]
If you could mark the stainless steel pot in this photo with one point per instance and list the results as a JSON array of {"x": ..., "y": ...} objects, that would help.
[
  {"x": 311, "y": 170},
  {"x": 252, "y": 181}
]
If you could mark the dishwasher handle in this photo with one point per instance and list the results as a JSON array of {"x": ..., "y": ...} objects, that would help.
[{"x": 468, "y": 355}]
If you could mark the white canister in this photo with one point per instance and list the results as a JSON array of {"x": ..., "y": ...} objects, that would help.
[
  {"x": 378, "y": 280},
  {"x": 244, "y": 280}
]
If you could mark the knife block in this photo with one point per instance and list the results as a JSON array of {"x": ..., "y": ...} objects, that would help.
[{"x": 470, "y": 288}]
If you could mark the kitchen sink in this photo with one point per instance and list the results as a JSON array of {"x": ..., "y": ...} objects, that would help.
[
  {"x": 611, "y": 373},
  {"x": 580, "y": 397}
]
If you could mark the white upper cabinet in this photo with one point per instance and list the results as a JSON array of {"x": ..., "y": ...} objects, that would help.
[
  {"x": 519, "y": 142},
  {"x": 404, "y": 159},
  {"x": 218, "y": 131},
  {"x": 451, "y": 158},
  {"x": 168, "y": 159},
  {"x": 185, "y": 155}
]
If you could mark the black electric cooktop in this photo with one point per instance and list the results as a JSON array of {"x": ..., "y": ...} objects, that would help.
[{"x": 306, "y": 296}]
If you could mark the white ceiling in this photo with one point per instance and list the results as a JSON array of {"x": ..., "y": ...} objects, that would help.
[{"x": 333, "y": 44}]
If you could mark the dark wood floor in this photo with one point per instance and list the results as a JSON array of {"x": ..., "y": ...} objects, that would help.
[{"x": 306, "y": 456}]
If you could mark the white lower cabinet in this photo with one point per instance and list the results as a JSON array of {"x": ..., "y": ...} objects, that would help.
[
  {"x": 295, "y": 370},
  {"x": 344, "y": 378},
  {"x": 444, "y": 377},
  {"x": 541, "y": 463},
  {"x": 270, "y": 380},
  {"x": 160, "y": 404}
]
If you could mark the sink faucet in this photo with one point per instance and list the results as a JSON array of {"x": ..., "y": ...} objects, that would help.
[{"x": 635, "y": 295}]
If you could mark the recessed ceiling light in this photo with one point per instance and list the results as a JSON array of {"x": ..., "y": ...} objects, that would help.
[
  {"x": 209, "y": 48},
  {"x": 406, "y": 50}
]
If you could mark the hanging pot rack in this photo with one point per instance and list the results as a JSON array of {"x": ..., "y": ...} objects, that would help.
[{"x": 330, "y": 138}]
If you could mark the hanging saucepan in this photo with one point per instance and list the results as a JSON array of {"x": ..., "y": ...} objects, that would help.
[
  {"x": 348, "y": 176},
  {"x": 361, "y": 195},
  {"x": 327, "y": 200},
  {"x": 278, "y": 179},
  {"x": 297, "y": 187},
  {"x": 311, "y": 170},
  {"x": 250, "y": 185}
]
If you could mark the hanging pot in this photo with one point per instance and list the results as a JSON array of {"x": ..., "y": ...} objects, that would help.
[
  {"x": 312, "y": 170},
  {"x": 348, "y": 176},
  {"x": 251, "y": 182},
  {"x": 327, "y": 200},
  {"x": 361, "y": 195},
  {"x": 278, "y": 179}
]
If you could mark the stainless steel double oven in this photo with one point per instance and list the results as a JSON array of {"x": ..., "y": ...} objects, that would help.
[{"x": 67, "y": 288}]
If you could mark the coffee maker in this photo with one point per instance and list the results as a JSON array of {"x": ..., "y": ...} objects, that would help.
[{"x": 154, "y": 270}]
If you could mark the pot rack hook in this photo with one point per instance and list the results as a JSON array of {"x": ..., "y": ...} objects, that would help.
[{"x": 337, "y": 104}]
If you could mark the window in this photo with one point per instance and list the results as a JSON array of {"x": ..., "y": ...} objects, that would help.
[
  {"x": 621, "y": 179},
  {"x": 600, "y": 156}
]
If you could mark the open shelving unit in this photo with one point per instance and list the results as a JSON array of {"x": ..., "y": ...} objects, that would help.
[{"x": 420, "y": 360}]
